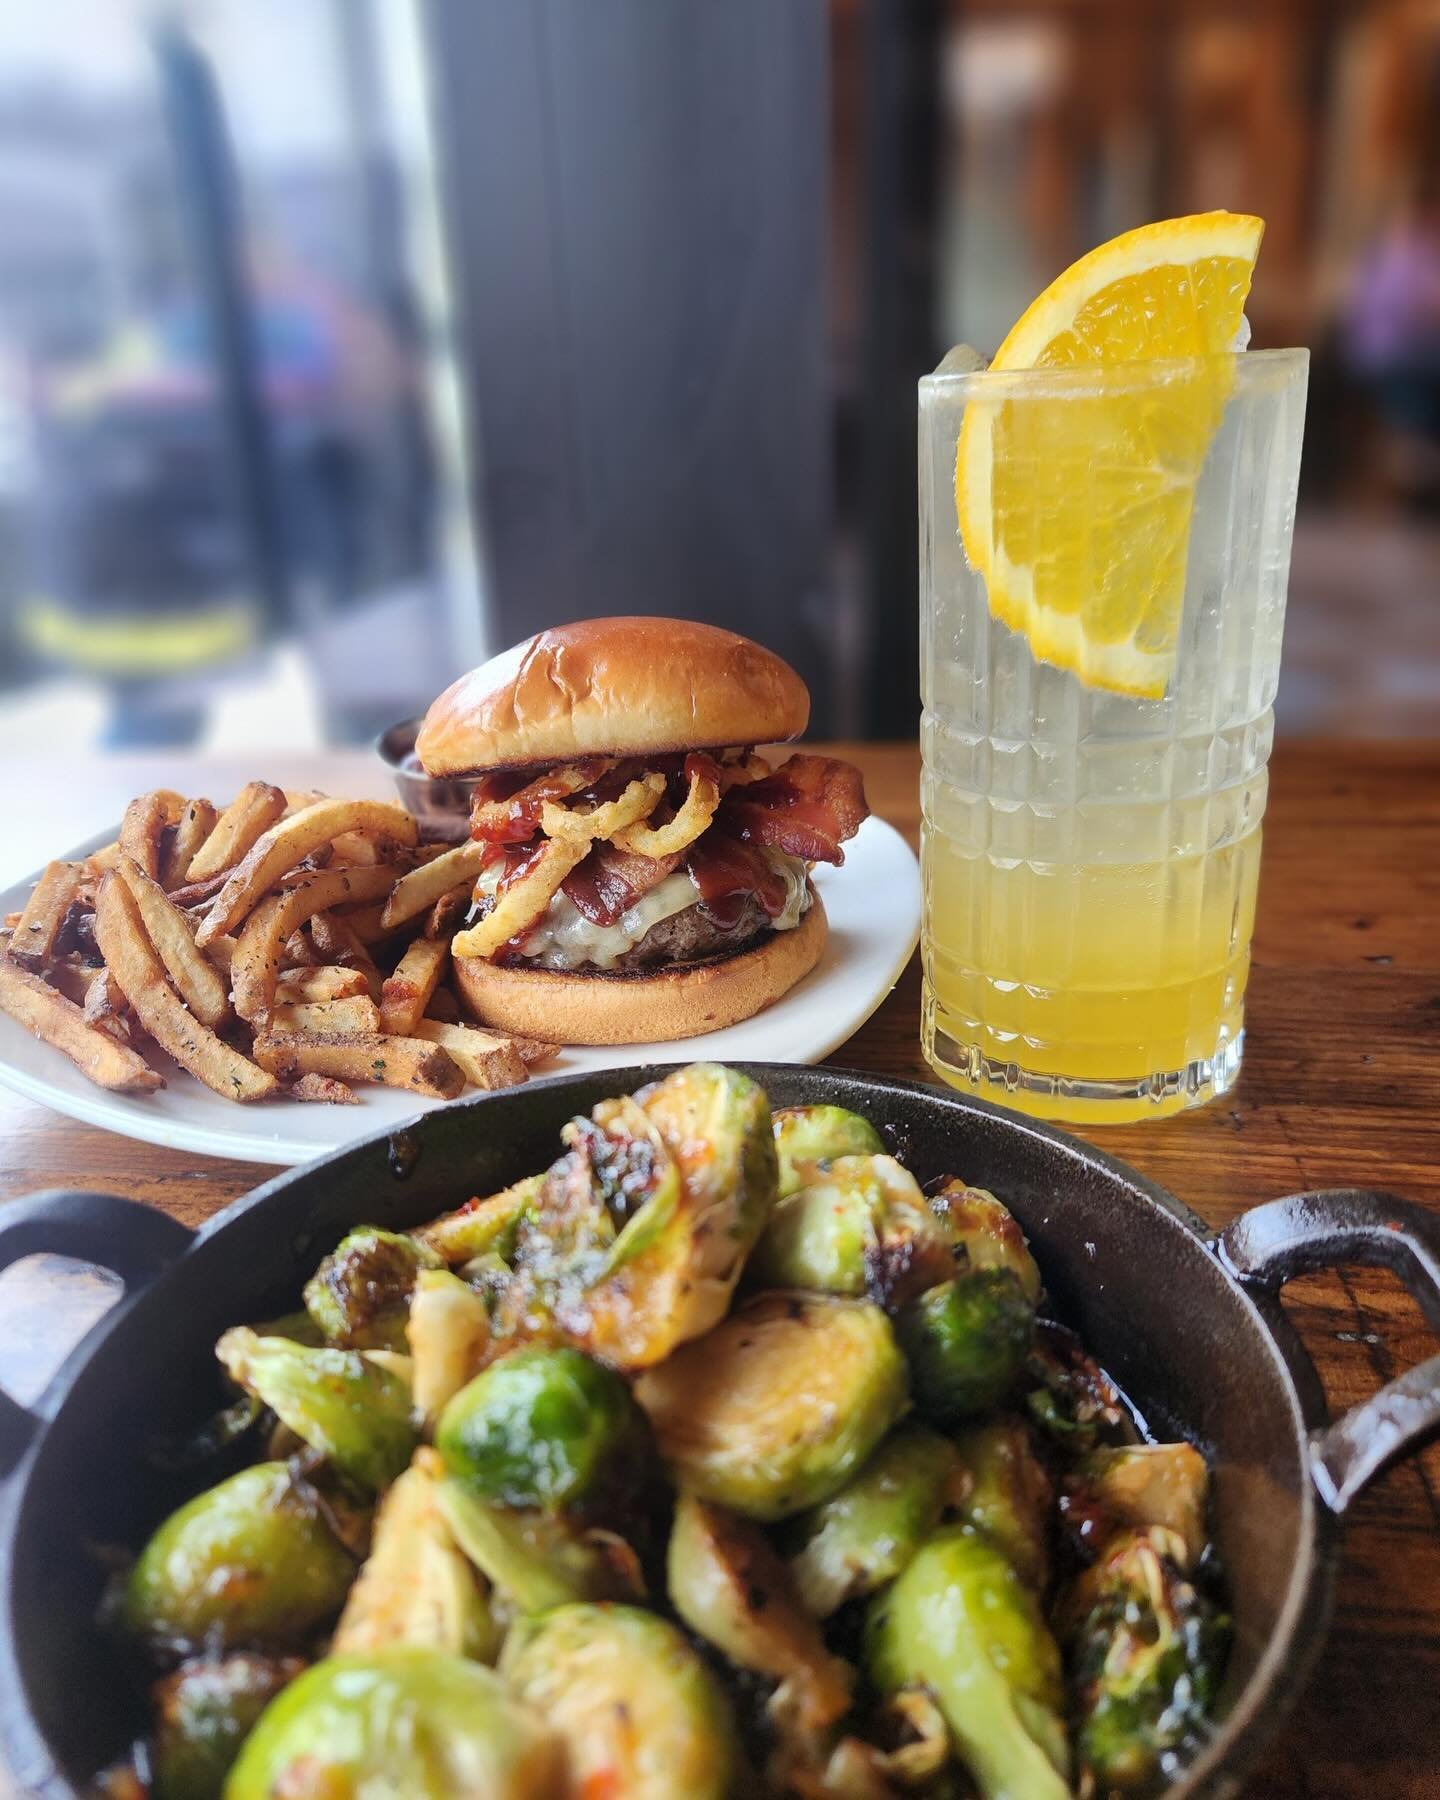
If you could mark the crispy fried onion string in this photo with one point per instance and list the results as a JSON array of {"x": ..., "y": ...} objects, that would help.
[
  {"x": 493, "y": 818},
  {"x": 683, "y": 829},
  {"x": 524, "y": 900},
  {"x": 583, "y": 826}
]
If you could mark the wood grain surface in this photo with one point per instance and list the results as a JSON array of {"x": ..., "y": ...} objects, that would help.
[{"x": 1340, "y": 1087}]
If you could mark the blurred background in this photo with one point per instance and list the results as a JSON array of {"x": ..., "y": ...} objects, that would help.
[{"x": 345, "y": 341}]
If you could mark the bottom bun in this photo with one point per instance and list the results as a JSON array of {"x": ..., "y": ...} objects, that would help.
[{"x": 565, "y": 1008}]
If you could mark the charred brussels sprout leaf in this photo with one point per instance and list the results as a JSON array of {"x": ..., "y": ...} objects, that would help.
[
  {"x": 966, "y": 1343},
  {"x": 989, "y": 1234},
  {"x": 536, "y": 1560},
  {"x": 203, "y": 1713},
  {"x": 485, "y": 1227},
  {"x": 1069, "y": 1396},
  {"x": 544, "y": 1427},
  {"x": 809, "y": 1135},
  {"x": 1146, "y": 1652},
  {"x": 360, "y": 1294},
  {"x": 449, "y": 1336},
  {"x": 1006, "y": 1494},
  {"x": 867, "y": 1533},
  {"x": 860, "y": 1227},
  {"x": 412, "y": 1722},
  {"x": 416, "y": 1587},
  {"x": 960, "y": 1622},
  {"x": 1134, "y": 1486},
  {"x": 344, "y": 1403},
  {"x": 248, "y": 1562},
  {"x": 731, "y": 1588},
  {"x": 775, "y": 1409},
  {"x": 640, "y": 1713}
]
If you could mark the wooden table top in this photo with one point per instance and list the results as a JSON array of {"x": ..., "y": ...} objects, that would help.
[{"x": 1340, "y": 1087}]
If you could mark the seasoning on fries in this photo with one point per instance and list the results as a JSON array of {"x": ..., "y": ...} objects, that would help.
[{"x": 243, "y": 942}]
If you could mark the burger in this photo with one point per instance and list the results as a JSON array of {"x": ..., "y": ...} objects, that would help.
[{"x": 643, "y": 872}]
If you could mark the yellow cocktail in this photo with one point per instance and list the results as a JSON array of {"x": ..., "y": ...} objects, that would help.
[{"x": 1105, "y": 551}]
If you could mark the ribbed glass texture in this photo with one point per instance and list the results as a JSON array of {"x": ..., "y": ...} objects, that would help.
[{"x": 1090, "y": 860}]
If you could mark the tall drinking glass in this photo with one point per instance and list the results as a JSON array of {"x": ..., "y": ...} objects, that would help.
[{"x": 1091, "y": 856}]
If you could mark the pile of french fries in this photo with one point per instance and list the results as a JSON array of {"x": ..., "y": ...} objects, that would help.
[{"x": 289, "y": 946}]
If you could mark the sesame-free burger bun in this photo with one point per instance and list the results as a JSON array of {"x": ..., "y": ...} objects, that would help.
[
  {"x": 613, "y": 687},
  {"x": 660, "y": 1005}
]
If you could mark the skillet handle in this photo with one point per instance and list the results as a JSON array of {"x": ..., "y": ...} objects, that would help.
[
  {"x": 132, "y": 1241},
  {"x": 1268, "y": 1245}
]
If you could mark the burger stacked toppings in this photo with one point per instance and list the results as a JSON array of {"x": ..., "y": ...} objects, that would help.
[
  {"x": 628, "y": 865},
  {"x": 642, "y": 873}
]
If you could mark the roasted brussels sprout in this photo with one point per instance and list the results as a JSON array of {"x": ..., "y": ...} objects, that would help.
[
  {"x": 416, "y": 1587},
  {"x": 988, "y": 1232},
  {"x": 860, "y": 1227},
  {"x": 1136, "y": 1485},
  {"x": 412, "y": 1722},
  {"x": 536, "y": 1560},
  {"x": 545, "y": 1426},
  {"x": 959, "y": 1621},
  {"x": 684, "y": 1175},
  {"x": 203, "y": 1713},
  {"x": 866, "y": 1534},
  {"x": 780, "y": 1404},
  {"x": 347, "y": 1404},
  {"x": 730, "y": 1587},
  {"x": 1146, "y": 1652},
  {"x": 250, "y": 1562},
  {"x": 360, "y": 1294},
  {"x": 1007, "y": 1495},
  {"x": 966, "y": 1343},
  {"x": 1069, "y": 1396},
  {"x": 480, "y": 1227},
  {"x": 449, "y": 1336},
  {"x": 641, "y": 1715},
  {"x": 809, "y": 1135}
]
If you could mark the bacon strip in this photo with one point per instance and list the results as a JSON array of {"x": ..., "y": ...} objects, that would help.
[
  {"x": 609, "y": 881},
  {"x": 807, "y": 808},
  {"x": 727, "y": 873}
]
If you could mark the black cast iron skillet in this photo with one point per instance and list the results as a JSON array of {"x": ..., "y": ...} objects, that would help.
[{"x": 1188, "y": 1324}]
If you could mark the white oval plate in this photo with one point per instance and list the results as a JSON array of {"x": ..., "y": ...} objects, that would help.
[{"x": 873, "y": 903}]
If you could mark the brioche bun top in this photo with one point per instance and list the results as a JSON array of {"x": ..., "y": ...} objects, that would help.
[{"x": 613, "y": 687}]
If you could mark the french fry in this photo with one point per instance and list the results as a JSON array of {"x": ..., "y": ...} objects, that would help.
[
  {"x": 36, "y": 1005},
  {"x": 323, "y": 1088},
  {"x": 299, "y": 953},
  {"x": 253, "y": 810},
  {"x": 488, "y": 1061},
  {"x": 448, "y": 912},
  {"x": 146, "y": 819},
  {"x": 141, "y": 975},
  {"x": 297, "y": 799},
  {"x": 406, "y": 994},
  {"x": 196, "y": 893},
  {"x": 358, "y": 1012},
  {"x": 422, "y": 887},
  {"x": 100, "y": 862},
  {"x": 255, "y": 968},
  {"x": 283, "y": 845},
  {"x": 104, "y": 1005},
  {"x": 367, "y": 924},
  {"x": 40, "y": 924},
  {"x": 334, "y": 941},
  {"x": 306, "y": 987},
  {"x": 73, "y": 979},
  {"x": 533, "y": 1052},
  {"x": 519, "y": 906},
  {"x": 401, "y": 1062},
  {"x": 196, "y": 979},
  {"x": 221, "y": 950},
  {"x": 360, "y": 852},
  {"x": 196, "y": 823}
]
